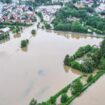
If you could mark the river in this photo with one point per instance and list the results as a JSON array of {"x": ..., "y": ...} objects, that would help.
[{"x": 39, "y": 71}]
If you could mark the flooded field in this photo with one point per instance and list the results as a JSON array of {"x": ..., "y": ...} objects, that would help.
[
  {"x": 94, "y": 95},
  {"x": 39, "y": 71}
]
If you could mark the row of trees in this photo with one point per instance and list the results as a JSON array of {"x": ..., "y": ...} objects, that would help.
[
  {"x": 16, "y": 29},
  {"x": 76, "y": 88},
  {"x": 73, "y": 26}
]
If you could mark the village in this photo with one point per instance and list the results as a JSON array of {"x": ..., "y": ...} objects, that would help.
[
  {"x": 12, "y": 14},
  {"x": 17, "y": 13},
  {"x": 23, "y": 14}
]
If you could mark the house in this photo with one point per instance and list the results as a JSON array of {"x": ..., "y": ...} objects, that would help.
[
  {"x": 100, "y": 8},
  {"x": 57, "y": 1},
  {"x": 79, "y": 5},
  {"x": 5, "y": 30}
]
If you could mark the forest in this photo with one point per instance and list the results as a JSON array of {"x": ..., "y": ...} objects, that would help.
[{"x": 83, "y": 20}]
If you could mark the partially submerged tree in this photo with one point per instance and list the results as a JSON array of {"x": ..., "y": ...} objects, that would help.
[
  {"x": 33, "y": 102},
  {"x": 76, "y": 87},
  {"x": 24, "y": 43},
  {"x": 33, "y": 32},
  {"x": 64, "y": 98}
]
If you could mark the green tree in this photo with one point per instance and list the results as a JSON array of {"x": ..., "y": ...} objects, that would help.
[
  {"x": 64, "y": 98},
  {"x": 47, "y": 26},
  {"x": 90, "y": 78},
  {"x": 52, "y": 100},
  {"x": 6, "y": 1},
  {"x": 33, "y": 32},
  {"x": 102, "y": 64},
  {"x": 102, "y": 47},
  {"x": 40, "y": 15},
  {"x": 33, "y": 102},
  {"x": 77, "y": 27},
  {"x": 66, "y": 60},
  {"x": 24, "y": 43},
  {"x": 76, "y": 87}
]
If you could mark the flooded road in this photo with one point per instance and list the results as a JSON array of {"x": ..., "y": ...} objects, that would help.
[{"x": 39, "y": 72}]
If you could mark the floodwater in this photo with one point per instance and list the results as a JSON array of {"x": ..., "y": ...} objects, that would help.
[
  {"x": 37, "y": 72},
  {"x": 95, "y": 95}
]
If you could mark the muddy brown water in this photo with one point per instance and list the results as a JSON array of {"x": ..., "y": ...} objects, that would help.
[
  {"x": 39, "y": 71},
  {"x": 95, "y": 95}
]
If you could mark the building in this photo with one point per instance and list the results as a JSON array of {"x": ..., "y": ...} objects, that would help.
[{"x": 57, "y": 1}]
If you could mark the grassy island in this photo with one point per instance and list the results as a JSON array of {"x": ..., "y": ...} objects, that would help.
[{"x": 88, "y": 58}]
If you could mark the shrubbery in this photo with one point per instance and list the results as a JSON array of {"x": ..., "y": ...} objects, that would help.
[
  {"x": 64, "y": 98},
  {"x": 76, "y": 87},
  {"x": 4, "y": 36},
  {"x": 40, "y": 15},
  {"x": 47, "y": 26},
  {"x": 33, "y": 102},
  {"x": 90, "y": 78},
  {"x": 33, "y": 32},
  {"x": 52, "y": 100},
  {"x": 24, "y": 43}
]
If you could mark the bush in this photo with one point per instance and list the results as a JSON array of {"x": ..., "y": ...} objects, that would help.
[
  {"x": 52, "y": 100},
  {"x": 47, "y": 26},
  {"x": 24, "y": 43},
  {"x": 33, "y": 32},
  {"x": 76, "y": 87},
  {"x": 77, "y": 27},
  {"x": 64, "y": 98},
  {"x": 40, "y": 15},
  {"x": 102, "y": 63},
  {"x": 89, "y": 78},
  {"x": 67, "y": 60},
  {"x": 82, "y": 50},
  {"x": 33, "y": 102},
  {"x": 4, "y": 36},
  {"x": 63, "y": 27}
]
